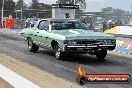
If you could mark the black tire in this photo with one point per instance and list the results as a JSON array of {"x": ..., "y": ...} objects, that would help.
[
  {"x": 31, "y": 46},
  {"x": 101, "y": 55},
  {"x": 58, "y": 53}
]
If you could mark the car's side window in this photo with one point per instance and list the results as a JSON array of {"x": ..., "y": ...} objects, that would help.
[{"x": 44, "y": 25}]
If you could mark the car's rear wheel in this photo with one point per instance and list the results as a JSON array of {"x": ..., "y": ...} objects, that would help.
[
  {"x": 101, "y": 55},
  {"x": 31, "y": 46},
  {"x": 57, "y": 51}
]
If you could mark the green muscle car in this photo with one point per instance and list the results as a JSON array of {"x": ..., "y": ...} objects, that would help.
[{"x": 67, "y": 36}]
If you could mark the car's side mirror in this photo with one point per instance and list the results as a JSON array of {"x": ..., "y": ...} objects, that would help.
[{"x": 46, "y": 29}]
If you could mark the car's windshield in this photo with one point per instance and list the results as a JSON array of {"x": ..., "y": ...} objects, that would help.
[{"x": 64, "y": 25}]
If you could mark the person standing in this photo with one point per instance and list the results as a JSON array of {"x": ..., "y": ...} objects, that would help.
[
  {"x": 0, "y": 24},
  {"x": 67, "y": 15},
  {"x": 104, "y": 25}
]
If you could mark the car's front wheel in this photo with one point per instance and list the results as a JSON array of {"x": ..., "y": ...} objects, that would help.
[
  {"x": 57, "y": 51},
  {"x": 31, "y": 46},
  {"x": 101, "y": 55}
]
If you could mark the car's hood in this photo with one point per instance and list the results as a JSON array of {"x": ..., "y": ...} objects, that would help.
[{"x": 72, "y": 34}]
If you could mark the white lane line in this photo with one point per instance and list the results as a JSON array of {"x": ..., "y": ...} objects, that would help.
[
  {"x": 14, "y": 79},
  {"x": 66, "y": 68}
]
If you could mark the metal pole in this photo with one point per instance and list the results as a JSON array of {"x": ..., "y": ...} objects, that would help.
[
  {"x": 131, "y": 11},
  {"x": 21, "y": 14},
  {"x": 2, "y": 13},
  {"x": 74, "y": 9},
  {"x": 16, "y": 13}
]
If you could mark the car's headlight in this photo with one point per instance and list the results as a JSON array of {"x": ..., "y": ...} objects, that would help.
[
  {"x": 71, "y": 43},
  {"x": 113, "y": 41},
  {"x": 108, "y": 42}
]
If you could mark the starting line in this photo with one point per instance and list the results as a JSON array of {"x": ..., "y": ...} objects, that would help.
[{"x": 14, "y": 79}]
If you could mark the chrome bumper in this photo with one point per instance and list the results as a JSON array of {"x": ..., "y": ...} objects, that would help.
[
  {"x": 89, "y": 48},
  {"x": 93, "y": 46}
]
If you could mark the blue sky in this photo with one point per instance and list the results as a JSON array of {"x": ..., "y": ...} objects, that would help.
[{"x": 96, "y": 5}]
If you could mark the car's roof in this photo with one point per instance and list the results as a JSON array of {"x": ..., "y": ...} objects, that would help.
[{"x": 55, "y": 19}]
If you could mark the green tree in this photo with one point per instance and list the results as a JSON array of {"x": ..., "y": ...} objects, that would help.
[
  {"x": 107, "y": 10},
  {"x": 40, "y": 6},
  {"x": 20, "y": 5},
  {"x": 0, "y": 5},
  {"x": 117, "y": 14},
  {"x": 114, "y": 11},
  {"x": 9, "y": 7},
  {"x": 43, "y": 6},
  {"x": 34, "y": 4}
]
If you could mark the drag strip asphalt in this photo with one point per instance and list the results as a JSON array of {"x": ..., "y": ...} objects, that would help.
[{"x": 14, "y": 46}]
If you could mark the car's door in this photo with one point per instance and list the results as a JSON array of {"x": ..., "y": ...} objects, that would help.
[{"x": 43, "y": 33}]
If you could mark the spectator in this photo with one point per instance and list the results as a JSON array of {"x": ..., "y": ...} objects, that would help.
[
  {"x": 104, "y": 25},
  {"x": 118, "y": 23},
  {"x": 0, "y": 24},
  {"x": 3, "y": 23},
  {"x": 67, "y": 15},
  {"x": 91, "y": 24},
  {"x": 111, "y": 25}
]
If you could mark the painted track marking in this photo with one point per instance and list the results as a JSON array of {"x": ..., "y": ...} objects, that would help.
[{"x": 14, "y": 79}]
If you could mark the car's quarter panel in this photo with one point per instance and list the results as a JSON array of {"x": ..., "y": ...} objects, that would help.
[
  {"x": 55, "y": 37},
  {"x": 29, "y": 33},
  {"x": 24, "y": 33}
]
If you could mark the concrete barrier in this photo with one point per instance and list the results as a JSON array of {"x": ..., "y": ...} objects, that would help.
[
  {"x": 124, "y": 30},
  {"x": 124, "y": 45},
  {"x": 124, "y": 38}
]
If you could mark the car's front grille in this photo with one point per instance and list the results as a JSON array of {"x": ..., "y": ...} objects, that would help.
[{"x": 97, "y": 42}]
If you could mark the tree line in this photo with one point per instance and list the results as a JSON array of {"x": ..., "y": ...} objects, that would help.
[{"x": 10, "y": 7}]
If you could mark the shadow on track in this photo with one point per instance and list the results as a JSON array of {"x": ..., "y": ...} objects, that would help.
[{"x": 86, "y": 59}]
